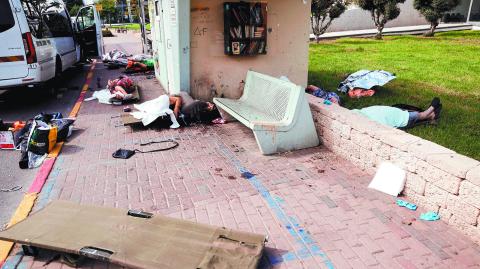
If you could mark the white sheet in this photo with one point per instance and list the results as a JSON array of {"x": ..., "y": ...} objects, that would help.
[{"x": 149, "y": 111}]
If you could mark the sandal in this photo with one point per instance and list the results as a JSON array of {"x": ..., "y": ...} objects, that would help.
[{"x": 406, "y": 204}]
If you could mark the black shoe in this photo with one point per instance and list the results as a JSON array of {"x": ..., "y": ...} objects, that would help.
[
  {"x": 435, "y": 103},
  {"x": 438, "y": 111}
]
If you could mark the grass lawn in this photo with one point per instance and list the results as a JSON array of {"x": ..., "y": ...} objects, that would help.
[
  {"x": 447, "y": 66},
  {"x": 129, "y": 26}
]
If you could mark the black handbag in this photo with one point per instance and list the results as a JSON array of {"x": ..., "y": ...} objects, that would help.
[
  {"x": 127, "y": 153},
  {"x": 123, "y": 154}
]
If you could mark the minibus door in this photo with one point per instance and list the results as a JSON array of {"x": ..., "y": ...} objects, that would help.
[{"x": 89, "y": 32}]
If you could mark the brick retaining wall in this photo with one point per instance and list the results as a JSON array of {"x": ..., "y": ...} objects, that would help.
[{"x": 438, "y": 178}]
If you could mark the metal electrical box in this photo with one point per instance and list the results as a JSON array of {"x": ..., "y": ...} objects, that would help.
[{"x": 170, "y": 30}]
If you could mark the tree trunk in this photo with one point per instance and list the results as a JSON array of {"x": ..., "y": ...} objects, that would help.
[
  {"x": 431, "y": 32},
  {"x": 379, "y": 34}
]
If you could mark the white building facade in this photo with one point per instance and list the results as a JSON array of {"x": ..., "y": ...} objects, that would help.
[{"x": 355, "y": 18}]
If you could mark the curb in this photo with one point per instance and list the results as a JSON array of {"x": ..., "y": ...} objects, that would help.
[{"x": 28, "y": 201}]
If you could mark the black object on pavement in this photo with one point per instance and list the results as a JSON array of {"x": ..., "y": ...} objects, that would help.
[
  {"x": 126, "y": 153},
  {"x": 123, "y": 154}
]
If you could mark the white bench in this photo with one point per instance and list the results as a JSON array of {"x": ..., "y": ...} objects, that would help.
[{"x": 277, "y": 111}]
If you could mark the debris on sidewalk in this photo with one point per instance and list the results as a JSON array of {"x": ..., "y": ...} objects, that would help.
[
  {"x": 127, "y": 153},
  {"x": 429, "y": 216},
  {"x": 129, "y": 120},
  {"x": 150, "y": 242},
  {"x": 406, "y": 204},
  {"x": 408, "y": 221},
  {"x": 364, "y": 80},
  {"x": 389, "y": 179},
  {"x": 11, "y": 189},
  {"x": 6, "y": 140},
  {"x": 7, "y": 134},
  {"x": 39, "y": 136}
]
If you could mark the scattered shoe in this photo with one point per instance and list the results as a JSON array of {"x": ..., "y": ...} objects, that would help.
[
  {"x": 406, "y": 204},
  {"x": 438, "y": 111},
  {"x": 435, "y": 102},
  {"x": 430, "y": 216}
]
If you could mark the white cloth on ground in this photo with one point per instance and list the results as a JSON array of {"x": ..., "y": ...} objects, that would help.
[
  {"x": 149, "y": 111},
  {"x": 104, "y": 96}
]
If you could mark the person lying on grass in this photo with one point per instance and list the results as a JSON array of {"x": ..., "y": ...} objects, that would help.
[{"x": 399, "y": 118}]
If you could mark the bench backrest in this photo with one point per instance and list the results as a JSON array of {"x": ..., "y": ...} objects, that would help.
[{"x": 274, "y": 96}]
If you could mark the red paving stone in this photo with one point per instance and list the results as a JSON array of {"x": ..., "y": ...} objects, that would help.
[{"x": 314, "y": 206}]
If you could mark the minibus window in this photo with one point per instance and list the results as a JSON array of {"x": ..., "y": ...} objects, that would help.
[
  {"x": 6, "y": 16},
  {"x": 37, "y": 26},
  {"x": 58, "y": 24}
]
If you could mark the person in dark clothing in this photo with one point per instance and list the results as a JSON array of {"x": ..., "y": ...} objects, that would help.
[{"x": 199, "y": 112}]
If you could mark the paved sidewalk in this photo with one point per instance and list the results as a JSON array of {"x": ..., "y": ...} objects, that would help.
[{"x": 314, "y": 206}]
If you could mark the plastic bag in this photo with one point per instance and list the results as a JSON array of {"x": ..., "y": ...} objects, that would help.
[
  {"x": 46, "y": 134},
  {"x": 43, "y": 139},
  {"x": 35, "y": 160},
  {"x": 64, "y": 128}
]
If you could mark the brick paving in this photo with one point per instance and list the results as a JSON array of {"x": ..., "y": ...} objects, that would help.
[{"x": 314, "y": 206}]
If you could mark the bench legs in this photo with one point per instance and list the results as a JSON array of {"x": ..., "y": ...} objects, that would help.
[{"x": 302, "y": 135}]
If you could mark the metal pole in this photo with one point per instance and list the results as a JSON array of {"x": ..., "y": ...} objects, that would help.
[
  {"x": 469, "y": 11},
  {"x": 142, "y": 25}
]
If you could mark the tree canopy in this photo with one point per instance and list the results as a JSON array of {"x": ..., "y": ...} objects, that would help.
[
  {"x": 108, "y": 9},
  {"x": 381, "y": 11},
  {"x": 323, "y": 13},
  {"x": 434, "y": 10}
]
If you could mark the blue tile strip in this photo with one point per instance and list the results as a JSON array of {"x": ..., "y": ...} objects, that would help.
[{"x": 307, "y": 245}]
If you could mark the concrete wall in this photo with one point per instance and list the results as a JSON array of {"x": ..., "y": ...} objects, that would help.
[
  {"x": 438, "y": 179},
  {"x": 212, "y": 71},
  {"x": 359, "y": 19}
]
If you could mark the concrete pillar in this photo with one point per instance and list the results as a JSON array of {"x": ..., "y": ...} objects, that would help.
[
  {"x": 171, "y": 43},
  {"x": 184, "y": 44},
  {"x": 177, "y": 36}
]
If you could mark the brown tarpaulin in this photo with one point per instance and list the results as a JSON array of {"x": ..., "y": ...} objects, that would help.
[{"x": 157, "y": 242}]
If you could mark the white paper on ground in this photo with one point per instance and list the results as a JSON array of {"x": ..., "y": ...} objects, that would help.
[{"x": 389, "y": 179}]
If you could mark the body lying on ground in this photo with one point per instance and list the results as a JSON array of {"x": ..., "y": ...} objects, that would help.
[
  {"x": 199, "y": 112},
  {"x": 399, "y": 118},
  {"x": 178, "y": 108},
  {"x": 122, "y": 87}
]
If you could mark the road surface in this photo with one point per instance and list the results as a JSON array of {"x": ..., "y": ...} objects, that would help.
[{"x": 25, "y": 103}]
